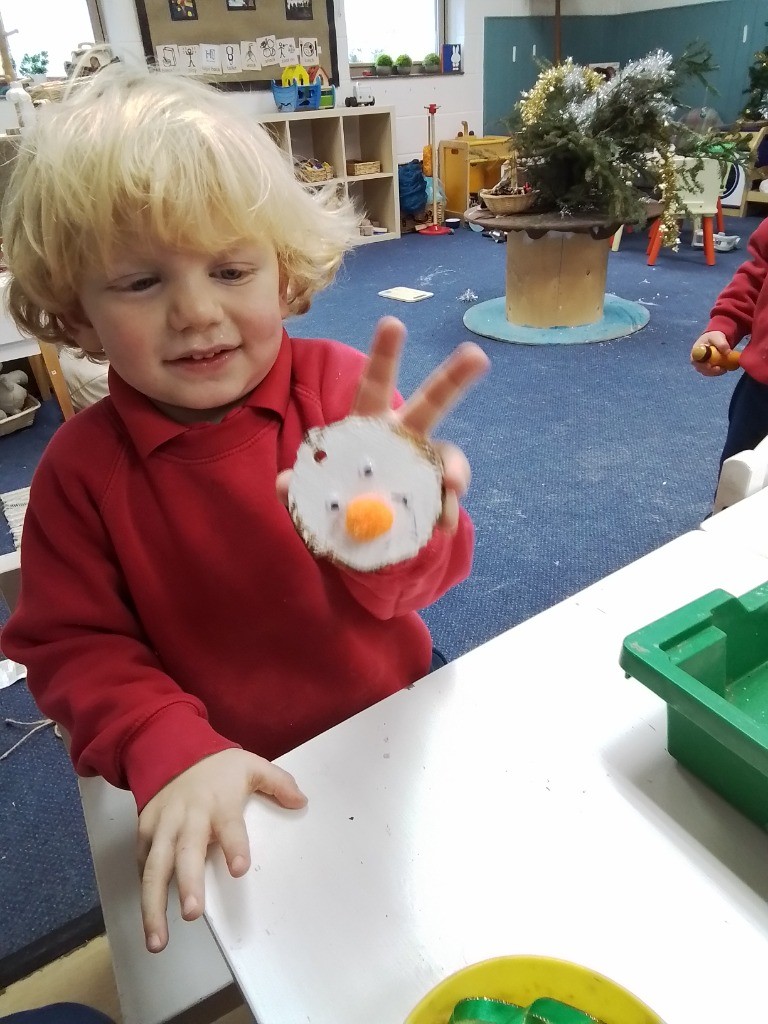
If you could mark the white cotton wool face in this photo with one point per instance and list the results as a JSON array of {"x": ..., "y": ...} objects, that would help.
[{"x": 398, "y": 476}]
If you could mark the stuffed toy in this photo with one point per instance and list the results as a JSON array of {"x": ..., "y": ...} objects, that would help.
[{"x": 13, "y": 392}]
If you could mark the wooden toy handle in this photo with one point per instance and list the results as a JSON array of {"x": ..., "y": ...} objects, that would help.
[{"x": 709, "y": 354}]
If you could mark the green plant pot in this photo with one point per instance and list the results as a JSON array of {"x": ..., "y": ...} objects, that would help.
[
  {"x": 404, "y": 70},
  {"x": 383, "y": 70}
]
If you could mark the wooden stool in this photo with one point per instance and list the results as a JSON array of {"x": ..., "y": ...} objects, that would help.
[{"x": 46, "y": 369}]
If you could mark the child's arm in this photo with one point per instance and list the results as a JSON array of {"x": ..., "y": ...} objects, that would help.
[
  {"x": 710, "y": 367},
  {"x": 734, "y": 308},
  {"x": 446, "y": 559},
  {"x": 202, "y": 806},
  {"x": 91, "y": 669}
]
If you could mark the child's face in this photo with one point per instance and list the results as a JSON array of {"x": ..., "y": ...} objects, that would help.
[{"x": 194, "y": 333}]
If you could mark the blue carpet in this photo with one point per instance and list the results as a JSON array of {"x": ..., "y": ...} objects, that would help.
[{"x": 585, "y": 457}]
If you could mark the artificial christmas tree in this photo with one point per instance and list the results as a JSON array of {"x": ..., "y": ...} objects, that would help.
[{"x": 756, "y": 108}]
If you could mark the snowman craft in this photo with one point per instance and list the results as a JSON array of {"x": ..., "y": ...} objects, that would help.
[{"x": 365, "y": 492}]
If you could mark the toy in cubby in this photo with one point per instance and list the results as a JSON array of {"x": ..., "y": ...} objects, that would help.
[
  {"x": 13, "y": 392},
  {"x": 295, "y": 92}
]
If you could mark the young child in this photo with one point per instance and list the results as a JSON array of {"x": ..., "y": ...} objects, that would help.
[
  {"x": 171, "y": 618},
  {"x": 741, "y": 309}
]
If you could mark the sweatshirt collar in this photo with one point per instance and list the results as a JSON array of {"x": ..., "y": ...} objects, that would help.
[{"x": 149, "y": 428}]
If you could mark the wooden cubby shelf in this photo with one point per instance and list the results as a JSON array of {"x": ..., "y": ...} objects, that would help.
[{"x": 348, "y": 133}]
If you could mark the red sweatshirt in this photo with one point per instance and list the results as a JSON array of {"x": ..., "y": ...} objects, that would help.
[
  {"x": 742, "y": 307},
  {"x": 169, "y": 609}
]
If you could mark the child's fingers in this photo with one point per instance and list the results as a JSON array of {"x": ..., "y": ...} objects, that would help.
[
  {"x": 443, "y": 388},
  {"x": 233, "y": 839},
  {"x": 379, "y": 378},
  {"x": 456, "y": 477},
  {"x": 191, "y": 849},
  {"x": 273, "y": 781},
  {"x": 282, "y": 484},
  {"x": 155, "y": 879},
  {"x": 456, "y": 470},
  {"x": 449, "y": 517}
]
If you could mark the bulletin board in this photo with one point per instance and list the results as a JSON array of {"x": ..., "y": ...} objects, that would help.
[{"x": 239, "y": 44}]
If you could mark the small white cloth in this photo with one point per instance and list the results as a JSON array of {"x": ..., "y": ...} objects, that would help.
[{"x": 14, "y": 507}]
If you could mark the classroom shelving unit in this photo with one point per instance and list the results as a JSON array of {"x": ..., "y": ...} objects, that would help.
[{"x": 345, "y": 135}]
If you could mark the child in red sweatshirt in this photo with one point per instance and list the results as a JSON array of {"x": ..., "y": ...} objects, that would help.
[
  {"x": 171, "y": 618},
  {"x": 741, "y": 309}
]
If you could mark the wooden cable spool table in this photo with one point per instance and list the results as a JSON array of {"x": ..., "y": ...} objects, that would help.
[{"x": 556, "y": 271}]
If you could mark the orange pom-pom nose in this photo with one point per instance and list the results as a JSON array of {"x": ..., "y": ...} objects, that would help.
[{"x": 368, "y": 517}]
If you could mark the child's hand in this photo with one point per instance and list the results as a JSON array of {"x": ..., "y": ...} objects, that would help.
[
  {"x": 717, "y": 340},
  {"x": 201, "y": 806},
  {"x": 423, "y": 410}
]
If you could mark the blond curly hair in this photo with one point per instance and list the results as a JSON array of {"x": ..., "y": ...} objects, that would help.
[{"x": 131, "y": 153}]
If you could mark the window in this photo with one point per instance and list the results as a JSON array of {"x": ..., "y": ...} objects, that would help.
[
  {"x": 58, "y": 26},
  {"x": 400, "y": 26}
]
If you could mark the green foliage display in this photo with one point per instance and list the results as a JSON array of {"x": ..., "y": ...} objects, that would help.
[
  {"x": 585, "y": 144},
  {"x": 384, "y": 61},
  {"x": 431, "y": 61},
  {"x": 34, "y": 63},
  {"x": 403, "y": 61},
  {"x": 756, "y": 108}
]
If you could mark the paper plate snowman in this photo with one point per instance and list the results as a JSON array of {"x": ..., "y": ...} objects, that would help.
[{"x": 365, "y": 492}]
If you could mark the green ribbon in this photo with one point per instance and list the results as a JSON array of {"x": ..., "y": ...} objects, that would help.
[{"x": 496, "y": 1011}]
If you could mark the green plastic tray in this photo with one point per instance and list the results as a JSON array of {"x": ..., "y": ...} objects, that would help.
[{"x": 709, "y": 662}]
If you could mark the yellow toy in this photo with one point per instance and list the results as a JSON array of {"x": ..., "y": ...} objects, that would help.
[{"x": 295, "y": 73}]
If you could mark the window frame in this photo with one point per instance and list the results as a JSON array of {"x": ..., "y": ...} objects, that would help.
[{"x": 363, "y": 69}]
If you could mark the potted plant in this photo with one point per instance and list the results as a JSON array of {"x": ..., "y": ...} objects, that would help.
[
  {"x": 34, "y": 65},
  {"x": 585, "y": 143},
  {"x": 403, "y": 63},
  {"x": 431, "y": 63},
  {"x": 383, "y": 64}
]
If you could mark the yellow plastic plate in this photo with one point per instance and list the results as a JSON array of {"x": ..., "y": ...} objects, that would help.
[{"x": 521, "y": 979}]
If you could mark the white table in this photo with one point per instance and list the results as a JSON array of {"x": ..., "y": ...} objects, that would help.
[
  {"x": 519, "y": 801},
  {"x": 743, "y": 525}
]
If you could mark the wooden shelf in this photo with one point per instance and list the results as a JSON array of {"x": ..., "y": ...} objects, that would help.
[{"x": 348, "y": 133}]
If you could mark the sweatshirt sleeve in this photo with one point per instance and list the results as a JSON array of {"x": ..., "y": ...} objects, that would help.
[
  {"x": 416, "y": 583},
  {"x": 444, "y": 561},
  {"x": 89, "y": 665},
  {"x": 735, "y": 306}
]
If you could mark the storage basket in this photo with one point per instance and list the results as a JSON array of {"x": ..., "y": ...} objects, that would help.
[
  {"x": 312, "y": 174},
  {"x": 356, "y": 167},
  {"x": 24, "y": 418},
  {"x": 503, "y": 206}
]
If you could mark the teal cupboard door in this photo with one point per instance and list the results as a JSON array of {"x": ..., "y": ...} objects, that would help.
[{"x": 512, "y": 47}]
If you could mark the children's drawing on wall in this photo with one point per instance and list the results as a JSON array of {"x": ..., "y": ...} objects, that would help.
[
  {"x": 210, "y": 58},
  {"x": 190, "y": 58},
  {"x": 167, "y": 57},
  {"x": 298, "y": 10},
  {"x": 287, "y": 54},
  {"x": 230, "y": 58},
  {"x": 249, "y": 55},
  {"x": 183, "y": 10},
  {"x": 267, "y": 49},
  {"x": 241, "y": 5},
  {"x": 307, "y": 51}
]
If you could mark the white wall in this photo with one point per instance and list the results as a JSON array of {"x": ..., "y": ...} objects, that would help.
[
  {"x": 459, "y": 97},
  {"x": 632, "y": 6}
]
